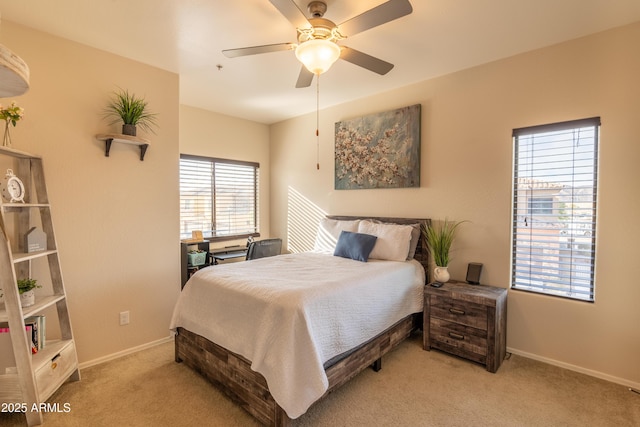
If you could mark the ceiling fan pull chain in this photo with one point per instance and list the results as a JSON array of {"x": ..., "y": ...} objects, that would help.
[{"x": 318, "y": 122}]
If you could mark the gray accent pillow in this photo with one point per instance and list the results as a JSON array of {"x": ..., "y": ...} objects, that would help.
[{"x": 356, "y": 246}]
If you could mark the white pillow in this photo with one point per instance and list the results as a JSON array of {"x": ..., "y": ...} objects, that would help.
[
  {"x": 329, "y": 231},
  {"x": 393, "y": 240}
]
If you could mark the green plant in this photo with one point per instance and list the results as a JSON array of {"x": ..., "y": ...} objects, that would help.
[
  {"x": 439, "y": 240},
  {"x": 25, "y": 285},
  {"x": 131, "y": 110},
  {"x": 12, "y": 114}
]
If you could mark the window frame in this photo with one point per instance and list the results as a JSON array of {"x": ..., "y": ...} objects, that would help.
[
  {"x": 210, "y": 234},
  {"x": 542, "y": 261}
]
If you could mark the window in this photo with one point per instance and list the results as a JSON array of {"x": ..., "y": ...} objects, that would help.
[
  {"x": 540, "y": 205},
  {"x": 218, "y": 197},
  {"x": 554, "y": 208}
]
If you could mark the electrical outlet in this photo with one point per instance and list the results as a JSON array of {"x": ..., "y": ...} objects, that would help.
[{"x": 124, "y": 318}]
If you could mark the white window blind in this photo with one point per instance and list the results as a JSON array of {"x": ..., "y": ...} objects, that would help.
[
  {"x": 554, "y": 208},
  {"x": 218, "y": 197}
]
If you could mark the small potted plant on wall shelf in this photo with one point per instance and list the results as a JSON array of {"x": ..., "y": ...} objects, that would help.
[
  {"x": 132, "y": 111},
  {"x": 439, "y": 239},
  {"x": 25, "y": 288}
]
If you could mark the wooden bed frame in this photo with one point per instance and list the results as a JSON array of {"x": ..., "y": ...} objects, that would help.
[{"x": 232, "y": 373}]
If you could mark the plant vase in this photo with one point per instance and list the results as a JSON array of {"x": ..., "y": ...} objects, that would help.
[
  {"x": 27, "y": 298},
  {"x": 441, "y": 274},
  {"x": 6, "y": 142},
  {"x": 129, "y": 130}
]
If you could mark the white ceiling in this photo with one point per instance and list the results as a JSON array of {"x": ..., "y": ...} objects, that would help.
[{"x": 188, "y": 36}]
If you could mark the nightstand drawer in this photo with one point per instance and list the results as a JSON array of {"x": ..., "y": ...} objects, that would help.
[
  {"x": 461, "y": 340},
  {"x": 463, "y": 312}
]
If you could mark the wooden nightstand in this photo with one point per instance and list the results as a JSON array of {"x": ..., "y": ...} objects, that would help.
[{"x": 469, "y": 321}]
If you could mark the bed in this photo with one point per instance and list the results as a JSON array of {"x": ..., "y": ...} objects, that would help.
[{"x": 276, "y": 334}]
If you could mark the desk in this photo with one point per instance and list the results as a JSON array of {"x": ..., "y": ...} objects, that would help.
[
  {"x": 213, "y": 256},
  {"x": 228, "y": 253}
]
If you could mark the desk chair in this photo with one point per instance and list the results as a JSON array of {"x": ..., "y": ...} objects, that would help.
[{"x": 264, "y": 248}]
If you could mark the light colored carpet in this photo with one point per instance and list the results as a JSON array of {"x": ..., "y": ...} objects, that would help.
[{"x": 414, "y": 388}]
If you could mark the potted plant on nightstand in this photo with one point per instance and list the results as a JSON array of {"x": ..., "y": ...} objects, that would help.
[
  {"x": 25, "y": 288},
  {"x": 132, "y": 111},
  {"x": 439, "y": 240}
]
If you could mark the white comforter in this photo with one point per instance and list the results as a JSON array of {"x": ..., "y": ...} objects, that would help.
[{"x": 291, "y": 313}]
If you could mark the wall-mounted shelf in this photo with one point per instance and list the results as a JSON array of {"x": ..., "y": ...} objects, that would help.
[{"x": 109, "y": 138}]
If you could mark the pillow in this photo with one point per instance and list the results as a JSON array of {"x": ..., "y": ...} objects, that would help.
[
  {"x": 329, "y": 231},
  {"x": 393, "y": 240},
  {"x": 356, "y": 246}
]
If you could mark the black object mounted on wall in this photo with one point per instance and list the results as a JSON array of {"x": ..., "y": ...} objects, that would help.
[{"x": 474, "y": 270}]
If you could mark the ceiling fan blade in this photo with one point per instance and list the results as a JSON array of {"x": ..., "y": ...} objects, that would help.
[
  {"x": 386, "y": 12},
  {"x": 291, "y": 11},
  {"x": 305, "y": 78},
  {"x": 365, "y": 61},
  {"x": 255, "y": 50}
]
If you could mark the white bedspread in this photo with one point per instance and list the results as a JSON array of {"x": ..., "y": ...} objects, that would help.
[{"x": 291, "y": 313}]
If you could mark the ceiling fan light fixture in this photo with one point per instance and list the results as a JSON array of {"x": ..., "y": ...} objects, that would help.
[{"x": 318, "y": 55}]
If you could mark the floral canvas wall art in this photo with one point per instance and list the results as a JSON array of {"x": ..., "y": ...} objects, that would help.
[{"x": 379, "y": 151}]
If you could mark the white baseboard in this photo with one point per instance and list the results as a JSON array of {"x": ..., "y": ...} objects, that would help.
[
  {"x": 631, "y": 384},
  {"x": 124, "y": 352}
]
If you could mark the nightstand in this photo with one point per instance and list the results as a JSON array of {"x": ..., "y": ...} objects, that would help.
[{"x": 469, "y": 321}]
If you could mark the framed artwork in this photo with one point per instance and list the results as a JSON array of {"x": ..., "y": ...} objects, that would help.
[{"x": 379, "y": 151}]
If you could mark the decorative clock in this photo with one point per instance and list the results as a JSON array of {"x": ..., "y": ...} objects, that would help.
[{"x": 12, "y": 188}]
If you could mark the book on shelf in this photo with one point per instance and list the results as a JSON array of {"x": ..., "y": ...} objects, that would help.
[
  {"x": 33, "y": 324},
  {"x": 39, "y": 331},
  {"x": 35, "y": 327}
]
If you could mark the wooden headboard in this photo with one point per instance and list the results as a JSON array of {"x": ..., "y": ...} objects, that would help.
[{"x": 422, "y": 251}]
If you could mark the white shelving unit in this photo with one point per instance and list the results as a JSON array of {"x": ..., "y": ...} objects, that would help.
[{"x": 35, "y": 377}]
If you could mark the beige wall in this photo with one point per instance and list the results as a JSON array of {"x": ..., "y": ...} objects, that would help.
[
  {"x": 115, "y": 217},
  {"x": 205, "y": 133},
  {"x": 467, "y": 119}
]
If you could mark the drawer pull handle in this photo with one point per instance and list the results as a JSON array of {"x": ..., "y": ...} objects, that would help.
[
  {"x": 54, "y": 363},
  {"x": 456, "y": 336},
  {"x": 456, "y": 311}
]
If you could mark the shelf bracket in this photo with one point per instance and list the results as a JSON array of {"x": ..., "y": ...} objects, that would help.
[
  {"x": 107, "y": 148},
  {"x": 143, "y": 151}
]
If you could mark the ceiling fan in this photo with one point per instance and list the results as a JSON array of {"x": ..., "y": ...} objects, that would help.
[{"x": 317, "y": 46}]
